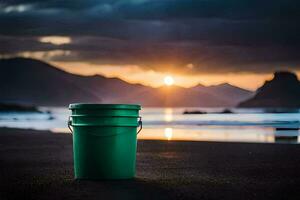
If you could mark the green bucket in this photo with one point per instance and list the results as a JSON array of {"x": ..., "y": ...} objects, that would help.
[{"x": 104, "y": 140}]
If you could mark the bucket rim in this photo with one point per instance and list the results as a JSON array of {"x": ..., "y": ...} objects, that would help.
[
  {"x": 74, "y": 106},
  {"x": 105, "y": 116}
]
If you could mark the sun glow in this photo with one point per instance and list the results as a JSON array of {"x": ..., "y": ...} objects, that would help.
[{"x": 168, "y": 80}]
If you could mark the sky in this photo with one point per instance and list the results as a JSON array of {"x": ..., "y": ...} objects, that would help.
[{"x": 241, "y": 42}]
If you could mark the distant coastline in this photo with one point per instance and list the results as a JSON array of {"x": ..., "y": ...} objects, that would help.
[{"x": 10, "y": 107}]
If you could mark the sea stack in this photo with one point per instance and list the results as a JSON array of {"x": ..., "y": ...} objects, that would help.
[{"x": 283, "y": 91}]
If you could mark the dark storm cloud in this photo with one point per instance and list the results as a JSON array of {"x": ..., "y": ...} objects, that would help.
[
  {"x": 168, "y": 9},
  {"x": 213, "y": 35}
]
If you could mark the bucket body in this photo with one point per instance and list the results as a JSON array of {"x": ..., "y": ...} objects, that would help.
[{"x": 104, "y": 140}]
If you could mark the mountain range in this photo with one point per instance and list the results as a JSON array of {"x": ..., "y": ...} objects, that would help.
[{"x": 30, "y": 81}]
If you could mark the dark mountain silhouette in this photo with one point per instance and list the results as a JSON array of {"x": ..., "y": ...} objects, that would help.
[
  {"x": 34, "y": 82},
  {"x": 282, "y": 91}
]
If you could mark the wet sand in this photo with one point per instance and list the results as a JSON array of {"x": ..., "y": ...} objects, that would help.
[{"x": 38, "y": 165}]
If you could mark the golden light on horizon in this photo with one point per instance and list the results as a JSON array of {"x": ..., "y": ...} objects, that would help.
[
  {"x": 136, "y": 74},
  {"x": 169, "y": 80}
]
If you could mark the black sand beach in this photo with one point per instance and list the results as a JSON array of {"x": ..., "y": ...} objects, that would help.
[{"x": 38, "y": 165}]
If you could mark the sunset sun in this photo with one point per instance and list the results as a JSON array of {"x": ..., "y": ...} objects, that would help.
[{"x": 168, "y": 80}]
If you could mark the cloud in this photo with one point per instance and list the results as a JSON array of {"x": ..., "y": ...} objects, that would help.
[
  {"x": 15, "y": 8},
  {"x": 213, "y": 36},
  {"x": 56, "y": 40}
]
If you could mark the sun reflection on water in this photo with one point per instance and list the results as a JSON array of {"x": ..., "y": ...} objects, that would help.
[
  {"x": 208, "y": 133},
  {"x": 169, "y": 133},
  {"x": 168, "y": 114},
  {"x": 239, "y": 134}
]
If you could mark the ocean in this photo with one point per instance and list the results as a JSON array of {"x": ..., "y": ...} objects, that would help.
[{"x": 243, "y": 125}]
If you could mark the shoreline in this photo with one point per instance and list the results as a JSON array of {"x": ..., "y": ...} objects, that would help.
[
  {"x": 280, "y": 138},
  {"x": 39, "y": 165}
]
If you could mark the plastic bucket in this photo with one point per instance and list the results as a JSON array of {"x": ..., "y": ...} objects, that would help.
[{"x": 104, "y": 140}]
